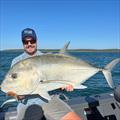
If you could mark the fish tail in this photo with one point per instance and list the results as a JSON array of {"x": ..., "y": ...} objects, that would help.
[{"x": 107, "y": 71}]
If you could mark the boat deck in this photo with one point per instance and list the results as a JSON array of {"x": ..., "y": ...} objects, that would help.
[{"x": 98, "y": 107}]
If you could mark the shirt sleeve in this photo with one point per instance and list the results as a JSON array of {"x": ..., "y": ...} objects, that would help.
[
  {"x": 17, "y": 59},
  {"x": 14, "y": 61}
]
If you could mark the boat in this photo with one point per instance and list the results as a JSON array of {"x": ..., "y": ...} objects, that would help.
[{"x": 96, "y": 107}]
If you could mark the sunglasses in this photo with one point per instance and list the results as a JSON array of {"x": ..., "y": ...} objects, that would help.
[{"x": 25, "y": 42}]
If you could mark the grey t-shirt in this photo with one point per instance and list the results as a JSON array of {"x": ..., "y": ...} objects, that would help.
[{"x": 24, "y": 56}]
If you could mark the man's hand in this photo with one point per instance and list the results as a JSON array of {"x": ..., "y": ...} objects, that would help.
[
  {"x": 68, "y": 88},
  {"x": 14, "y": 95}
]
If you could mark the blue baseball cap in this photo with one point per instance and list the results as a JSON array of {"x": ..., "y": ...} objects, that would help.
[{"x": 28, "y": 32}]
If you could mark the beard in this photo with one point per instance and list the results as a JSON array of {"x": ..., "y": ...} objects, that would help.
[
  {"x": 30, "y": 46},
  {"x": 31, "y": 52}
]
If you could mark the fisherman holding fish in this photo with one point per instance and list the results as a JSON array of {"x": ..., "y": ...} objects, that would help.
[
  {"x": 56, "y": 109},
  {"x": 33, "y": 75}
]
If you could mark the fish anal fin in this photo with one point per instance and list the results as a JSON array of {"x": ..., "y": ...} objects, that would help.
[
  {"x": 45, "y": 95},
  {"x": 80, "y": 87}
]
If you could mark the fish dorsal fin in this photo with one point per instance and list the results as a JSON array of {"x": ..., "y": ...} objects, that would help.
[{"x": 64, "y": 49}]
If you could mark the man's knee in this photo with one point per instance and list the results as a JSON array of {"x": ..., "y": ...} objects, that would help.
[
  {"x": 34, "y": 112},
  {"x": 71, "y": 116}
]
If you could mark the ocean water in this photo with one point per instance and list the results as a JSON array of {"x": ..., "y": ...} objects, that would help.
[{"x": 95, "y": 85}]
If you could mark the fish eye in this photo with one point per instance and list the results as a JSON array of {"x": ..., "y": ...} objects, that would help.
[
  {"x": 14, "y": 75},
  {"x": 41, "y": 81}
]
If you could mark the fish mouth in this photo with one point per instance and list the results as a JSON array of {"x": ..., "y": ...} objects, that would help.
[{"x": 5, "y": 89}]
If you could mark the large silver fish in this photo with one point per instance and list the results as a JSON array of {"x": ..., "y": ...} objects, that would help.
[{"x": 40, "y": 74}]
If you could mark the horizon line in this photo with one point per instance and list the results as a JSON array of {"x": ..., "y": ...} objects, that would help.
[{"x": 99, "y": 49}]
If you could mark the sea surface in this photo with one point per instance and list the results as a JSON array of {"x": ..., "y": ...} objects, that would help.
[{"x": 95, "y": 85}]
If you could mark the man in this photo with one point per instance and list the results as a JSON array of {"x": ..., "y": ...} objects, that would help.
[{"x": 55, "y": 108}]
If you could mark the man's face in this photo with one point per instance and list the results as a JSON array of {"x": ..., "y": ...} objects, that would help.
[{"x": 30, "y": 45}]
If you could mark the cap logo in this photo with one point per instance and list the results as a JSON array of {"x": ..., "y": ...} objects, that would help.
[{"x": 28, "y": 32}]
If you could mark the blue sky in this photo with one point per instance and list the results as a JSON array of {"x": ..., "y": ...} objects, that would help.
[{"x": 88, "y": 24}]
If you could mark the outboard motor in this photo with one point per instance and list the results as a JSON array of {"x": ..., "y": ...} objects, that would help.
[{"x": 117, "y": 93}]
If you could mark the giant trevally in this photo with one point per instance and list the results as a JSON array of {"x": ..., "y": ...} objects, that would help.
[{"x": 40, "y": 74}]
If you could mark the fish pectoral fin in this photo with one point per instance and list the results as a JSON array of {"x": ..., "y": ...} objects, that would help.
[
  {"x": 80, "y": 87},
  {"x": 45, "y": 95}
]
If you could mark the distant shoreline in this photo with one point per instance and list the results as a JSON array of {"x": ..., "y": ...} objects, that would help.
[{"x": 69, "y": 50}]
